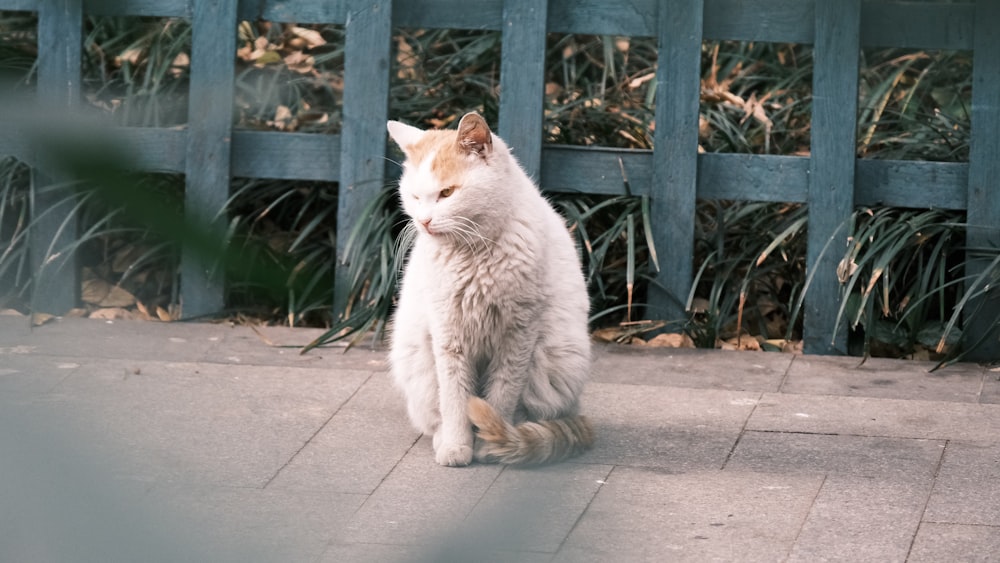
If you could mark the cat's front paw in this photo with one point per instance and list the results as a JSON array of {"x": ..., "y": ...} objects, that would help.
[{"x": 453, "y": 455}]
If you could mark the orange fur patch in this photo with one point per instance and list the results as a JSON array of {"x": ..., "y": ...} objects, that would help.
[
  {"x": 449, "y": 162},
  {"x": 529, "y": 443}
]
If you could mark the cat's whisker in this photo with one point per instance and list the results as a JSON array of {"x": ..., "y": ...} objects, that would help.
[
  {"x": 470, "y": 229},
  {"x": 475, "y": 229},
  {"x": 403, "y": 244},
  {"x": 396, "y": 162},
  {"x": 464, "y": 233}
]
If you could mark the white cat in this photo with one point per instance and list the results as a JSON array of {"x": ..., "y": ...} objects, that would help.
[{"x": 493, "y": 304}]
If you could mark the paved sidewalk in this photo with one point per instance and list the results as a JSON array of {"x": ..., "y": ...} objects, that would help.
[{"x": 131, "y": 441}]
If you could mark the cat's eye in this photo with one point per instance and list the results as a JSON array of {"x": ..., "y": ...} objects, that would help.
[{"x": 447, "y": 191}]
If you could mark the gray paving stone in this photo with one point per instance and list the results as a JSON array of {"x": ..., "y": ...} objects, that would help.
[
  {"x": 191, "y": 442},
  {"x": 641, "y": 515},
  {"x": 966, "y": 488},
  {"x": 420, "y": 502},
  {"x": 856, "y": 518},
  {"x": 866, "y": 416},
  {"x": 955, "y": 542},
  {"x": 450, "y": 553},
  {"x": 885, "y": 378},
  {"x": 872, "y": 498},
  {"x": 281, "y": 346},
  {"x": 685, "y": 367},
  {"x": 896, "y": 459},
  {"x": 672, "y": 428},
  {"x": 250, "y": 524},
  {"x": 525, "y": 515},
  {"x": 240, "y": 424},
  {"x": 14, "y": 330},
  {"x": 58, "y": 502},
  {"x": 27, "y": 375},
  {"x": 991, "y": 387},
  {"x": 371, "y": 553},
  {"x": 373, "y": 419},
  {"x": 93, "y": 338},
  {"x": 534, "y": 509}
]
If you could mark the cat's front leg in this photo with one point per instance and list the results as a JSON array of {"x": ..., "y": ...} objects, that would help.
[
  {"x": 509, "y": 371},
  {"x": 453, "y": 440}
]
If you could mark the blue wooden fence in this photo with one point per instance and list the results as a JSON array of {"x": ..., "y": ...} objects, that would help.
[{"x": 831, "y": 180}]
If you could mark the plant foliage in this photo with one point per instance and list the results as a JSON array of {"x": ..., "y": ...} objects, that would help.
[{"x": 905, "y": 281}]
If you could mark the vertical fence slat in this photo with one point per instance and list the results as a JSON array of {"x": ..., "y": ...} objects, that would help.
[
  {"x": 57, "y": 282},
  {"x": 522, "y": 81},
  {"x": 675, "y": 154},
  {"x": 367, "y": 52},
  {"x": 831, "y": 169},
  {"x": 984, "y": 170},
  {"x": 210, "y": 115}
]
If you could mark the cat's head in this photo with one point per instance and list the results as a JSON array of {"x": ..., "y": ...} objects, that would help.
[{"x": 453, "y": 181}]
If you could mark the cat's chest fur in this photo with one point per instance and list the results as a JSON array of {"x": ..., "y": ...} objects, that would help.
[{"x": 484, "y": 288}]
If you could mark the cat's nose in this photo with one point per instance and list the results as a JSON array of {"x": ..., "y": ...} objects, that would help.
[{"x": 427, "y": 225}]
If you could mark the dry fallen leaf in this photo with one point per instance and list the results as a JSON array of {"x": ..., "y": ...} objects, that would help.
[
  {"x": 38, "y": 319},
  {"x": 312, "y": 37},
  {"x": 181, "y": 62},
  {"x": 143, "y": 311},
  {"x": 744, "y": 343},
  {"x": 608, "y": 334},
  {"x": 845, "y": 270},
  {"x": 101, "y": 293},
  {"x": 699, "y": 305},
  {"x": 130, "y": 56},
  {"x": 671, "y": 340},
  {"x": 921, "y": 353},
  {"x": 111, "y": 313},
  {"x": 300, "y": 62},
  {"x": 163, "y": 314}
]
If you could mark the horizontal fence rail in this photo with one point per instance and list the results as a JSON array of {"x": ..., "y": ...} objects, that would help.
[{"x": 831, "y": 180}]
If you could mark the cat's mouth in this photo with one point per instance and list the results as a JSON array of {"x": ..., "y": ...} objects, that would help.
[{"x": 427, "y": 228}]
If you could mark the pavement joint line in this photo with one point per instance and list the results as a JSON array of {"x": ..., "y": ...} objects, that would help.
[
  {"x": 968, "y": 524},
  {"x": 887, "y": 436},
  {"x": 927, "y": 499},
  {"x": 982, "y": 386},
  {"x": 743, "y": 429},
  {"x": 787, "y": 374},
  {"x": 916, "y": 533},
  {"x": 318, "y": 430},
  {"x": 586, "y": 508},
  {"x": 392, "y": 470},
  {"x": 485, "y": 492},
  {"x": 807, "y": 433},
  {"x": 805, "y": 520}
]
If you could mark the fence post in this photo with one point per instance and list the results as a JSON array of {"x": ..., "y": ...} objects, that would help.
[
  {"x": 367, "y": 51},
  {"x": 983, "y": 214},
  {"x": 57, "y": 278},
  {"x": 209, "y": 142},
  {"x": 522, "y": 81},
  {"x": 831, "y": 167},
  {"x": 675, "y": 154}
]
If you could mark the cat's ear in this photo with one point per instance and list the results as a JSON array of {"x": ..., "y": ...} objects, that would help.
[
  {"x": 474, "y": 135},
  {"x": 404, "y": 135}
]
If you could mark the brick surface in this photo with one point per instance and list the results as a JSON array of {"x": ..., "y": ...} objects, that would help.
[{"x": 208, "y": 442}]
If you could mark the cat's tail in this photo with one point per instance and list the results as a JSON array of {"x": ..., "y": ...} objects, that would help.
[{"x": 528, "y": 443}]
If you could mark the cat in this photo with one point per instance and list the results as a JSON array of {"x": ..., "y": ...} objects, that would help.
[{"x": 490, "y": 328}]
